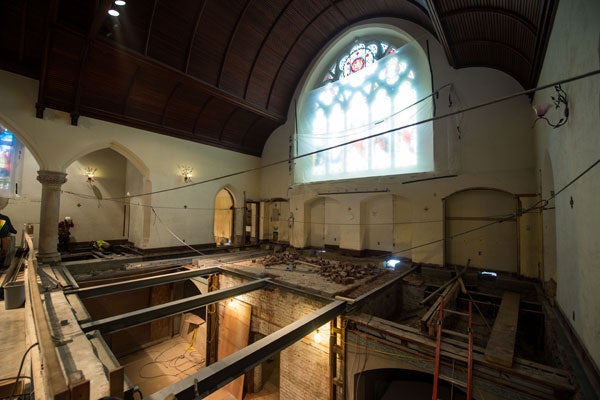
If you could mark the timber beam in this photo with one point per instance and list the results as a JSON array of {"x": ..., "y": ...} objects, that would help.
[
  {"x": 118, "y": 287},
  {"x": 216, "y": 375},
  {"x": 139, "y": 317}
]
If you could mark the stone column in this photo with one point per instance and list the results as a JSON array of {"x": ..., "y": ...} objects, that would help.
[{"x": 49, "y": 215}]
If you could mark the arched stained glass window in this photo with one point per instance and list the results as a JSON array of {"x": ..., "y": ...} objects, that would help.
[{"x": 370, "y": 89}]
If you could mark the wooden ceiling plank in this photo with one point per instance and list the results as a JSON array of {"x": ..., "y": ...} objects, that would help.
[
  {"x": 439, "y": 31},
  {"x": 50, "y": 21},
  {"x": 249, "y": 129},
  {"x": 22, "y": 32},
  {"x": 231, "y": 39},
  {"x": 226, "y": 122},
  {"x": 99, "y": 17},
  {"x": 200, "y": 112},
  {"x": 149, "y": 32},
  {"x": 543, "y": 36},
  {"x": 262, "y": 45},
  {"x": 131, "y": 83},
  {"x": 193, "y": 37},
  {"x": 164, "y": 113},
  {"x": 488, "y": 42},
  {"x": 291, "y": 47},
  {"x": 492, "y": 10}
]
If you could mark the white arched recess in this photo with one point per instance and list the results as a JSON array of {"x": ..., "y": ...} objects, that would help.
[
  {"x": 495, "y": 246},
  {"x": 386, "y": 224},
  {"x": 137, "y": 210},
  {"x": 237, "y": 214},
  {"x": 224, "y": 217},
  {"x": 322, "y": 222}
]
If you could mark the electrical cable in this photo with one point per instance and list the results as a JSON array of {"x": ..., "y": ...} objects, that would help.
[
  {"x": 290, "y": 159},
  {"x": 14, "y": 388},
  {"x": 174, "y": 235}
]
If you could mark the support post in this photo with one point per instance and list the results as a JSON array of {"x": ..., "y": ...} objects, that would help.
[{"x": 49, "y": 215}]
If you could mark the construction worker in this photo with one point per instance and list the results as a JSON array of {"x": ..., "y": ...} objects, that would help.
[{"x": 6, "y": 229}]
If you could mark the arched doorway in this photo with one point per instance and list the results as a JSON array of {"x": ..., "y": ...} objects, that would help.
[
  {"x": 391, "y": 383},
  {"x": 481, "y": 225},
  {"x": 223, "y": 225}
]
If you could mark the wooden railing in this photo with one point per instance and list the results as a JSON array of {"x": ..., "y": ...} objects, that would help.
[{"x": 55, "y": 383}]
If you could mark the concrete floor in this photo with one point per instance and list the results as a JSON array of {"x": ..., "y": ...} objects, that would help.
[
  {"x": 12, "y": 345},
  {"x": 161, "y": 365}
]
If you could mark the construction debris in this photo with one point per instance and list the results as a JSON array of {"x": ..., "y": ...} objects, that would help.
[{"x": 341, "y": 272}]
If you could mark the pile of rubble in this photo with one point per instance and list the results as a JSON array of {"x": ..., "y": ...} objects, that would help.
[{"x": 341, "y": 272}]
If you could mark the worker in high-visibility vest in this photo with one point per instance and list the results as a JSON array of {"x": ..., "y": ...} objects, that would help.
[{"x": 6, "y": 229}]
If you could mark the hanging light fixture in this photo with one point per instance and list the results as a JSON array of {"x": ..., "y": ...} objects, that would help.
[{"x": 560, "y": 101}]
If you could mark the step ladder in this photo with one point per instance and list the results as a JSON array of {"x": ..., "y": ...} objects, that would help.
[{"x": 438, "y": 350}]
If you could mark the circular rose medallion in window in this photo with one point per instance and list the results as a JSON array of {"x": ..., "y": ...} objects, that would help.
[{"x": 358, "y": 64}]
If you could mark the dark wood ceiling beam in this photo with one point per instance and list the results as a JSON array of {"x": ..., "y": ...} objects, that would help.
[
  {"x": 200, "y": 113},
  {"x": 22, "y": 34},
  {"x": 193, "y": 37},
  {"x": 149, "y": 33},
  {"x": 262, "y": 45},
  {"x": 291, "y": 47},
  {"x": 231, "y": 39},
  {"x": 226, "y": 122},
  {"x": 99, "y": 17},
  {"x": 131, "y": 83},
  {"x": 439, "y": 31},
  {"x": 488, "y": 42},
  {"x": 541, "y": 44},
  {"x": 491, "y": 10},
  {"x": 250, "y": 127},
  {"x": 40, "y": 105},
  {"x": 335, "y": 5},
  {"x": 164, "y": 113}
]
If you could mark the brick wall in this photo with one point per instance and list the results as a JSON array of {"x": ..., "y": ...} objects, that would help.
[{"x": 304, "y": 366}]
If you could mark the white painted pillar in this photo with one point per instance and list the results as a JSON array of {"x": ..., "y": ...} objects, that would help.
[{"x": 49, "y": 215}]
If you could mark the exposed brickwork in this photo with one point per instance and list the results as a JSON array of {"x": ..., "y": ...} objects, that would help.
[{"x": 304, "y": 366}]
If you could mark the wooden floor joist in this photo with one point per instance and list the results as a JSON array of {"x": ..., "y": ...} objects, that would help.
[{"x": 501, "y": 344}]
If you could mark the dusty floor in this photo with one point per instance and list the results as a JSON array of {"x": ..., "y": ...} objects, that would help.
[{"x": 161, "y": 365}]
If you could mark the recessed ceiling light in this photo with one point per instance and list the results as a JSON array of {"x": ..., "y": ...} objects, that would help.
[
  {"x": 114, "y": 13},
  {"x": 120, "y": 2}
]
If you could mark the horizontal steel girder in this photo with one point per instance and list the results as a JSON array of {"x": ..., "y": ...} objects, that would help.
[
  {"x": 118, "y": 287},
  {"x": 226, "y": 370},
  {"x": 139, "y": 317}
]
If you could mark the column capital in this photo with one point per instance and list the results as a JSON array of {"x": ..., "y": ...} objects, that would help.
[{"x": 51, "y": 177}]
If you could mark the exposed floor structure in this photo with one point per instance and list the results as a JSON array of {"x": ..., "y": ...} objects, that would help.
[{"x": 394, "y": 308}]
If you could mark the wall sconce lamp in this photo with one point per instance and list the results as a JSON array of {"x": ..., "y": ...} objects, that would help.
[
  {"x": 186, "y": 172},
  {"x": 560, "y": 100},
  {"x": 90, "y": 173}
]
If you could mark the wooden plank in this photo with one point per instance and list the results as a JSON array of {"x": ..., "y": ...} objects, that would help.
[
  {"x": 54, "y": 378},
  {"x": 116, "y": 380},
  {"x": 79, "y": 309},
  {"x": 501, "y": 344}
]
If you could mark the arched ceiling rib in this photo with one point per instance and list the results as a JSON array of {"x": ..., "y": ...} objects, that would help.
[{"x": 224, "y": 72}]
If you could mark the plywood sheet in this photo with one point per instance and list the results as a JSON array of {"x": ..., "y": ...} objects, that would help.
[
  {"x": 234, "y": 330},
  {"x": 501, "y": 345}
]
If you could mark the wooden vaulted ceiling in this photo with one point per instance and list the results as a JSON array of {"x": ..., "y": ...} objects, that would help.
[{"x": 224, "y": 72}]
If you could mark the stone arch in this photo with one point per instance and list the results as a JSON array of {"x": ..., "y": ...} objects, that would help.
[
  {"x": 24, "y": 138},
  {"x": 396, "y": 383},
  {"x": 224, "y": 216},
  {"x": 136, "y": 205}
]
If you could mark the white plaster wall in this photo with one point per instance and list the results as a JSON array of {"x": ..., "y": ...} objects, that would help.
[
  {"x": 492, "y": 147},
  {"x": 94, "y": 219},
  {"x": 186, "y": 211},
  {"x": 573, "y": 50}
]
